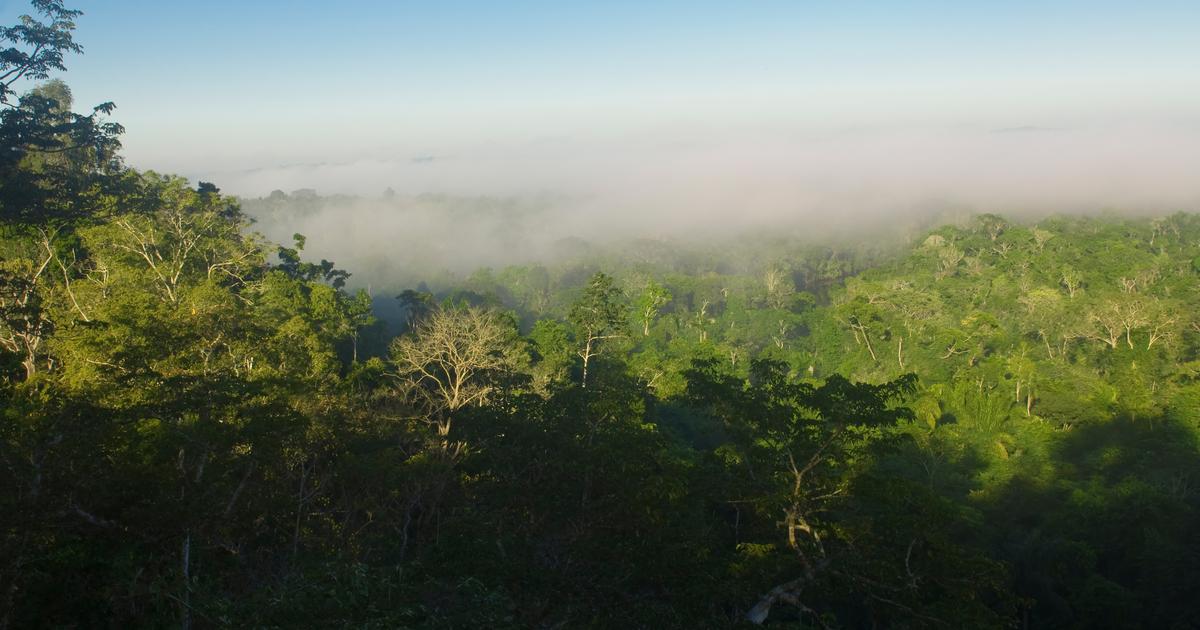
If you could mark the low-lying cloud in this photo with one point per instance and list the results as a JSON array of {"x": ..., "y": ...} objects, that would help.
[{"x": 543, "y": 192}]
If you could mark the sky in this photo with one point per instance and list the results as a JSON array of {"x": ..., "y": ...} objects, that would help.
[{"x": 485, "y": 96}]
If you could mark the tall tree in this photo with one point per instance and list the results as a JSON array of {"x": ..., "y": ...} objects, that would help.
[
  {"x": 451, "y": 360},
  {"x": 653, "y": 298},
  {"x": 598, "y": 315}
]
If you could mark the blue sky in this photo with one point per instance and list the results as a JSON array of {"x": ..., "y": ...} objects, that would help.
[{"x": 207, "y": 85}]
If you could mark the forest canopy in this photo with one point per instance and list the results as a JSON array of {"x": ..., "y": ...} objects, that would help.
[{"x": 989, "y": 422}]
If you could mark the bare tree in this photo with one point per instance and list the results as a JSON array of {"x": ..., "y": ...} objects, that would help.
[
  {"x": 1106, "y": 328},
  {"x": 1115, "y": 320},
  {"x": 1161, "y": 320},
  {"x": 447, "y": 362}
]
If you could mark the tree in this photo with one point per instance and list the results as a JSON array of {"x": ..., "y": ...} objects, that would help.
[
  {"x": 450, "y": 360},
  {"x": 291, "y": 264},
  {"x": 1044, "y": 314},
  {"x": 1115, "y": 318},
  {"x": 417, "y": 305},
  {"x": 791, "y": 445},
  {"x": 991, "y": 225},
  {"x": 780, "y": 287},
  {"x": 552, "y": 344},
  {"x": 38, "y": 47},
  {"x": 54, "y": 160},
  {"x": 24, "y": 324},
  {"x": 1162, "y": 319},
  {"x": 1024, "y": 374},
  {"x": 359, "y": 315},
  {"x": 598, "y": 316},
  {"x": 860, "y": 313},
  {"x": 1071, "y": 279},
  {"x": 653, "y": 298},
  {"x": 1041, "y": 237}
]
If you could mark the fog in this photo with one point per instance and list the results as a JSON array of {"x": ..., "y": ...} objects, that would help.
[{"x": 491, "y": 205}]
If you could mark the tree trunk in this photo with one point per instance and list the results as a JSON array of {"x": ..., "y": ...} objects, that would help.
[
  {"x": 867, "y": 339},
  {"x": 185, "y": 622},
  {"x": 788, "y": 592},
  {"x": 587, "y": 355}
]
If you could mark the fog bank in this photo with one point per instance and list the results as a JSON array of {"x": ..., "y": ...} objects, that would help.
[{"x": 505, "y": 203}]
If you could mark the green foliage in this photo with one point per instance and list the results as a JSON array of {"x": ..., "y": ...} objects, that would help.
[
  {"x": 599, "y": 311},
  {"x": 996, "y": 425},
  {"x": 37, "y": 47}
]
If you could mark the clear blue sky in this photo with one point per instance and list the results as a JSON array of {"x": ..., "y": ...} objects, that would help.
[{"x": 265, "y": 82}]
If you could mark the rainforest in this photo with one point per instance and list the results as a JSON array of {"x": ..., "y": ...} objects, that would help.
[{"x": 454, "y": 410}]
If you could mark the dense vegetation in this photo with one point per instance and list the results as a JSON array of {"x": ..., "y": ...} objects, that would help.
[{"x": 994, "y": 426}]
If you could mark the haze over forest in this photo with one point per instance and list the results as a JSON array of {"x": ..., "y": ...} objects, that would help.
[
  {"x": 659, "y": 121},
  {"x": 599, "y": 315},
  {"x": 848, "y": 184}
]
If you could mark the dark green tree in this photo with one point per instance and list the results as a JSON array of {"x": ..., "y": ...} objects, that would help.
[{"x": 598, "y": 316}]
